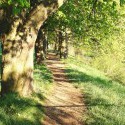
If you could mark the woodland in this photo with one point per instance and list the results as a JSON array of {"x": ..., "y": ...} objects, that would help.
[{"x": 70, "y": 49}]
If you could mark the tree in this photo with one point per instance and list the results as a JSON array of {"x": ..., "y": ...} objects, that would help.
[
  {"x": 89, "y": 21},
  {"x": 41, "y": 46},
  {"x": 39, "y": 54},
  {"x": 24, "y": 20},
  {"x": 19, "y": 42}
]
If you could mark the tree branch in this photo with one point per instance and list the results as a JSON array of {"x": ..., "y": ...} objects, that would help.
[{"x": 41, "y": 12}]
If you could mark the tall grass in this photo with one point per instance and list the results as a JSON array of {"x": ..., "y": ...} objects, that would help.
[
  {"x": 108, "y": 56},
  {"x": 104, "y": 98},
  {"x": 111, "y": 59}
]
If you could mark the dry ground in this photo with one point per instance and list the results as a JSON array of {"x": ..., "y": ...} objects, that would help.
[{"x": 64, "y": 106}]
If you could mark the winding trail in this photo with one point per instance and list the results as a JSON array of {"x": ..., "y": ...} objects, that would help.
[{"x": 65, "y": 104}]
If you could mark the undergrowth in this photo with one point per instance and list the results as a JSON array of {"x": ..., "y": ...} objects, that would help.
[{"x": 104, "y": 98}]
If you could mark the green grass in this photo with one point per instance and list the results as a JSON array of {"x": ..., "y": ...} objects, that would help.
[
  {"x": 15, "y": 110},
  {"x": 104, "y": 98}
]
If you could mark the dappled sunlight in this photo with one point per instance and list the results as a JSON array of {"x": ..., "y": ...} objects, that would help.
[
  {"x": 26, "y": 111},
  {"x": 65, "y": 104},
  {"x": 18, "y": 82},
  {"x": 60, "y": 2},
  {"x": 16, "y": 110},
  {"x": 45, "y": 50}
]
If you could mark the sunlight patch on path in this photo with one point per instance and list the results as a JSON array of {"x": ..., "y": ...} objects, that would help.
[{"x": 65, "y": 104}]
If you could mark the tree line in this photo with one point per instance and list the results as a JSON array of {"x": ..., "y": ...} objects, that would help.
[{"x": 24, "y": 26}]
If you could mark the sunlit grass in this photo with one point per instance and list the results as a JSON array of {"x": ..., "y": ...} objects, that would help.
[
  {"x": 104, "y": 98},
  {"x": 43, "y": 80},
  {"x": 15, "y": 110}
]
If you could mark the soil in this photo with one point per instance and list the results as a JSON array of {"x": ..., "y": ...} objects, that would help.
[{"x": 65, "y": 105}]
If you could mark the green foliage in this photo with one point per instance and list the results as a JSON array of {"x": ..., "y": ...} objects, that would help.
[
  {"x": 98, "y": 29},
  {"x": 111, "y": 61},
  {"x": 87, "y": 19},
  {"x": 103, "y": 97},
  {"x": 122, "y": 2},
  {"x": 108, "y": 54},
  {"x": 16, "y": 5}
]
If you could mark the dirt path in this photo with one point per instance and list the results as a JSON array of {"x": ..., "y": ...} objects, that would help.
[{"x": 65, "y": 105}]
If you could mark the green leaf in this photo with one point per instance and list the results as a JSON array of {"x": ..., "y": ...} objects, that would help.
[
  {"x": 16, "y": 10},
  {"x": 122, "y": 2}
]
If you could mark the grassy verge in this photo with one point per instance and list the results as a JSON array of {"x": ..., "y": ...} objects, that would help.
[
  {"x": 104, "y": 98},
  {"x": 15, "y": 110}
]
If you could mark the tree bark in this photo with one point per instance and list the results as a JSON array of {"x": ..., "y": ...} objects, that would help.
[
  {"x": 56, "y": 46},
  {"x": 39, "y": 53},
  {"x": 60, "y": 40},
  {"x": 17, "y": 67},
  {"x": 18, "y": 48},
  {"x": 66, "y": 46},
  {"x": 45, "y": 43}
]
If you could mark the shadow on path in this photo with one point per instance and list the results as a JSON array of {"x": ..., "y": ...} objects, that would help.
[{"x": 65, "y": 104}]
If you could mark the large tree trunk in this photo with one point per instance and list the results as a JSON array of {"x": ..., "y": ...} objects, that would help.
[
  {"x": 18, "y": 48},
  {"x": 39, "y": 53},
  {"x": 17, "y": 65}
]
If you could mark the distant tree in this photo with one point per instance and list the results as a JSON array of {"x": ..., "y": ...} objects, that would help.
[{"x": 89, "y": 21}]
